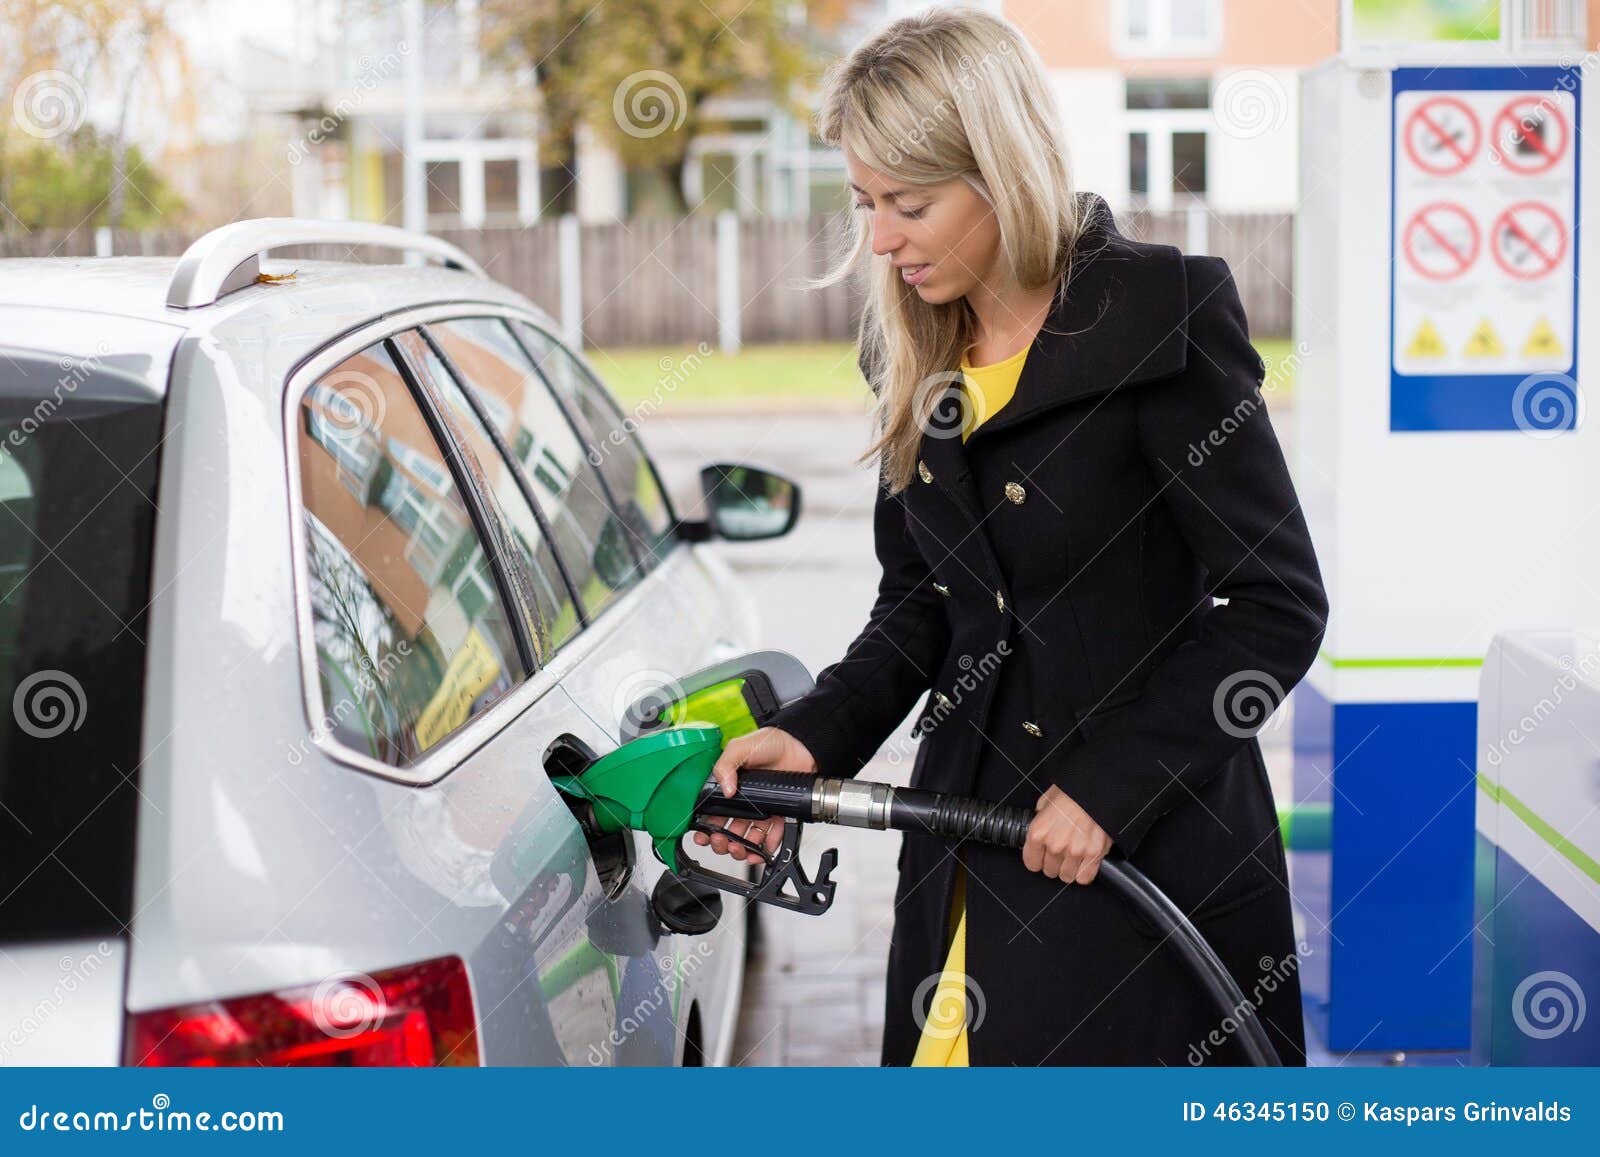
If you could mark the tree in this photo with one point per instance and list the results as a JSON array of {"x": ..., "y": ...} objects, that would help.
[
  {"x": 56, "y": 55},
  {"x": 639, "y": 74},
  {"x": 53, "y": 187}
]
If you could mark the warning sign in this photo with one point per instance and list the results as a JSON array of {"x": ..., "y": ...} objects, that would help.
[
  {"x": 1442, "y": 135},
  {"x": 1441, "y": 241},
  {"x": 1483, "y": 264},
  {"x": 1543, "y": 343},
  {"x": 1484, "y": 342},
  {"x": 1530, "y": 136},
  {"x": 1427, "y": 343},
  {"x": 1530, "y": 239}
]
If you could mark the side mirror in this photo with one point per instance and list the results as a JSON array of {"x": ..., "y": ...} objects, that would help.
[{"x": 746, "y": 502}]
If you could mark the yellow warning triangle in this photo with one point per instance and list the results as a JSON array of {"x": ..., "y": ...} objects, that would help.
[
  {"x": 1427, "y": 343},
  {"x": 1484, "y": 342},
  {"x": 1543, "y": 342}
]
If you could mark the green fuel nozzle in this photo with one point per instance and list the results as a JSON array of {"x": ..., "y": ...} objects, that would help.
[
  {"x": 660, "y": 784},
  {"x": 650, "y": 785}
]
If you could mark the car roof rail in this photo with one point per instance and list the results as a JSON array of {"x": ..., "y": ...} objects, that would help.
[{"x": 229, "y": 258}]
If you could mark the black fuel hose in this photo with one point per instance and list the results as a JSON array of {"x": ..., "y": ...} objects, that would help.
[{"x": 813, "y": 798}]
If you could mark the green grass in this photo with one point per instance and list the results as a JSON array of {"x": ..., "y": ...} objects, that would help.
[
  {"x": 1279, "y": 385},
  {"x": 786, "y": 375},
  {"x": 824, "y": 372}
]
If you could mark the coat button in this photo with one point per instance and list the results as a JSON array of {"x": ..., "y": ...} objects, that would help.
[
  {"x": 1016, "y": 493},
  {"x": 942, "y": 589},
  {"x": 1000, "y": 599},
  {"x": 1033, "y": 729},
  {"x": 942, "y": 700},
  {"x": 923, "y": 472}
]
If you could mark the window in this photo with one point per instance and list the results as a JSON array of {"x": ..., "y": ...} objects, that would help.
[
  {"x": 78, "y": 469},
  {"x": 334, "y": 425},
  {"x": 1139, "y": 164},
  {"x": 1167, "y": 27},
  {"x": 1168, "y": 121},
  {"x": 634, "y": 487},
  {"x": 1189, "y": 163},
  {"x": 555, "y": 618},
  {"x": 1168, "y": 92},
  {"x": 590, "y": 539},
  {"x": 411, "y": 632},
  {"x": 444, "y": 193},
  {"x": 500, "y": 190}
]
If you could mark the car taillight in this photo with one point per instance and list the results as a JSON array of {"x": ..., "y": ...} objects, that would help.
[{"x": 420, "y": 1014}]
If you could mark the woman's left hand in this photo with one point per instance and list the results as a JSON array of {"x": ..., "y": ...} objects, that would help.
[{"x": 1063, "y": 841}]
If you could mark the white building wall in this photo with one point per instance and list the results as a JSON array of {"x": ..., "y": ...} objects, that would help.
[
  {"x": 1252, "y": 146},
  {"x": 1254, "y": 161},
  {"x": 1091, "y": 109},
  {"x": 601, "y": 180}
]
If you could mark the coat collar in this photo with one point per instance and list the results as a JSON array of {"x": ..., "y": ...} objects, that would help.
[{"x": 1122, "y": 319}]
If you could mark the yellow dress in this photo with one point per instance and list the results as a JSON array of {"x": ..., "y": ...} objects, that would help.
[{"x": 944, "y": 1036}]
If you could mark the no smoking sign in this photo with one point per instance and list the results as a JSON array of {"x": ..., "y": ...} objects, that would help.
[
  {"x": 1529, "y": 240},
  {"x": 1441, "y": 241},
  {"x": 1442, "y": 136}
]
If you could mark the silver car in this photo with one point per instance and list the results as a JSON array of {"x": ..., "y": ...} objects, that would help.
[{"x": 313, "y": 572}]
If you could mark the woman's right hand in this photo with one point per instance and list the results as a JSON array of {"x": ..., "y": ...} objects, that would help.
[{"x": 768, "y": 748}]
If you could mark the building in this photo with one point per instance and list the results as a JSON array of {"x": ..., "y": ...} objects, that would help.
[
  {"x": 1167, "y": 104},
  {"x": 1172, "y": 102}
]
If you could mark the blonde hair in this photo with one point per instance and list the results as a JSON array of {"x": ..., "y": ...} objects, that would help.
[{"x": 943, "y": 94}]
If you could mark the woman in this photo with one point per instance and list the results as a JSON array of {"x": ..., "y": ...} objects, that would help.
[{"x": 1074, "y": 458}]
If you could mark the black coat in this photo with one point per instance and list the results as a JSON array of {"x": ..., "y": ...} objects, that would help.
[{"x": 1048, "y": 586}]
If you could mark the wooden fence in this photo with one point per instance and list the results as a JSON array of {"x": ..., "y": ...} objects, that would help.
[{"x": 656, "y": 281}]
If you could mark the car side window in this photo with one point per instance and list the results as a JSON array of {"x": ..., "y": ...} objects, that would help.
[
  {"x": 411, "y": 632},
  {"x": 612, "y": 443},
  {"x": 555, "y": 617},
  {"x": 590, "y": 538}
]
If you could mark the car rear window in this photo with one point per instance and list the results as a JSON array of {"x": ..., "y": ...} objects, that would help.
[
  {"x": 412, "y": 634},
  {"x": 78, "y": 461}
]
